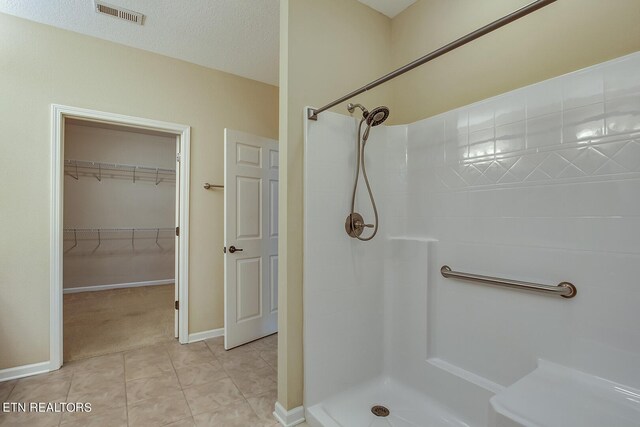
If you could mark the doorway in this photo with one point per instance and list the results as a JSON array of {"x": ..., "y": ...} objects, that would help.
[{"x": 100, "y": 263}]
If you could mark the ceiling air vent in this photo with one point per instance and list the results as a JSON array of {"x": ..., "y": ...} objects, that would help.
[{"x": 118, "y": 12}]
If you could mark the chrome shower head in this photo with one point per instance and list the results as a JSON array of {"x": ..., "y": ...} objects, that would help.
[{"x": 377, "y": 116}]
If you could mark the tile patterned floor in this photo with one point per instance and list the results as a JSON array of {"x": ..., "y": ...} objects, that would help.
[{"x": 198, "y": 384}]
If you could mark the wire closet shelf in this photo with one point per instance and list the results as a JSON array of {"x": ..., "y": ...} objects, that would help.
[
  {"x": 77, "y": 168},
  {"x": 71, "y": 234}
]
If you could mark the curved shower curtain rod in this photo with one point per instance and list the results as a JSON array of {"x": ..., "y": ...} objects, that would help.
[{"x": 312, "y": 114}]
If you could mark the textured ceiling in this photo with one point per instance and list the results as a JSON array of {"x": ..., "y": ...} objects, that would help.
[
  {"x": 236, "y": 36},
  {"x": 388, "y": 7}
]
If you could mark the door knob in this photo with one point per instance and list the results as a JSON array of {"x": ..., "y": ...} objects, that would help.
[{"x": 233, "y": 249}]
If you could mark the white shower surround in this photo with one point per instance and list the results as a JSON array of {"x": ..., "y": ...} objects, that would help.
[{"x": 539, "y": 184}]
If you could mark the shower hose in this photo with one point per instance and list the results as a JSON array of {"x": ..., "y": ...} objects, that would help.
[{"x": 359, "y": 160}]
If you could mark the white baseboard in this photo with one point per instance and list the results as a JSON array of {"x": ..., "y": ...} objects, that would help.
[
  {"x": 24, "y": 371},
  {"x": 289, "y": 418},
  {"x": 118, "y": 286},
  {"x": 205, "y": 335}
]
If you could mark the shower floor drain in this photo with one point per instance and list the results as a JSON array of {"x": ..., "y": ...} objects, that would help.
[{"x": 380, "y": 411}]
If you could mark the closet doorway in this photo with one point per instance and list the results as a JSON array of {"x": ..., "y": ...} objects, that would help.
[{"x": 119, "y": 217}]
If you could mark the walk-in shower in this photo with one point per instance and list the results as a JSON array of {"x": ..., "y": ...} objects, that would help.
[
  {"x": 388, "y": 324},
  {"x": 355, "y": 223},
  {"x": 537, "y": 186}
]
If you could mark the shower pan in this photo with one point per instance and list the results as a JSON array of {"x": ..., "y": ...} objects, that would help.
[{"x": 393, "y": 337}]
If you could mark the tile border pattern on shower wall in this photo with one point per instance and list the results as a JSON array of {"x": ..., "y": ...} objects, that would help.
[
  {"x": 581, "y": 161},
  {"x": 581, "y": 126}
]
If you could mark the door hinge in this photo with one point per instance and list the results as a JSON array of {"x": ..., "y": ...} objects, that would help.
[
  {"x": 177, "y": 231},
  {"x": 177, "y": 305},
  {"x": 178, "y": 158}
]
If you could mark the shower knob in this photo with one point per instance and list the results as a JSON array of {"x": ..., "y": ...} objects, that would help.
[{"x": 354, "y": 225}]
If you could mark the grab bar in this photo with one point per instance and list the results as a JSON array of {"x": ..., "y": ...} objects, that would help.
[{"x": 564, "y": 289}]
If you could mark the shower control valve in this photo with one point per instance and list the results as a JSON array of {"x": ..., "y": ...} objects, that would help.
[{"x": 355, "y": 225}]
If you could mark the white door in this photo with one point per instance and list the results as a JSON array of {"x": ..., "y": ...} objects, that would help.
[{"x": 251, "y": 237}]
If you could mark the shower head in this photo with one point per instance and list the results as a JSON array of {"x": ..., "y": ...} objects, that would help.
[
  {"x": 377, "y": 116},
  {"x": 374, "y": 118}
]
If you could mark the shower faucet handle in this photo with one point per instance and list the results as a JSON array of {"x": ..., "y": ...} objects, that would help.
[
  {"x": 354, "y": 225},
  {"x": 359, "y": 223}
]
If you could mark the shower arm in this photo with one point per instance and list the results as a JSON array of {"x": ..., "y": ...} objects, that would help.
[{"x": 312, "y": 114}]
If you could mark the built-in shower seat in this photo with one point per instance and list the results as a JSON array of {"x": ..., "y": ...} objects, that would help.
[{"x": 554, "y": 395}]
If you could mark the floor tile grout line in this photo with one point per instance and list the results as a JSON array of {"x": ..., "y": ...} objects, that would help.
[
  {"x": 266, "y": 361},
  {"x": 256, "y": 412},
  {"x": 73, "y": 373},
  {"x": 228, "y": 376},
  {"x": 155, "y": 375},
  {"x": 232, "y": 380},
  {"x": 184, "y": 396},
  {"x": 241, "y": 392},
  {"x": 12, "y": 388},
  {"x": 161, "y": 374},
  {"x": 152, "y": 398},
  {"x": 252, "y": 408},
  {"x": 188, "y": 407}
]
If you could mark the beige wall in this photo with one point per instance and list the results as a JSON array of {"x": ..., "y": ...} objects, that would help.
[
  {"x": 41, "y": 65},
  {"x": 118, "y": 202},
  {"x": 331, "y": 47},
  {"x": 562, "y": 37},
  {"x": 327, "y": 48}
]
